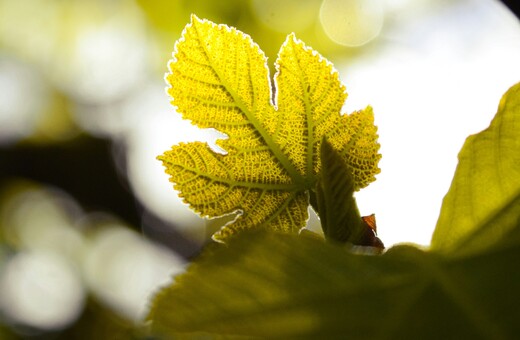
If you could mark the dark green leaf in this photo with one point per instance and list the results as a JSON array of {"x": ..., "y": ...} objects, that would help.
[
  {"x": 335, "y": 204},
  {"x": 281, "y": 286},
  {"x": 337, "y": 208}
]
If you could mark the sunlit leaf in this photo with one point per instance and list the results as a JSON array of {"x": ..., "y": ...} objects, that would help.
[
  {"x": 282, "y": 286},
  {"x": 219, "y": 79},
  {"x": 483, "y": 203}
]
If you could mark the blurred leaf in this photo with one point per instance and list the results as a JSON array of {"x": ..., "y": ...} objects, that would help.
[
  {"x": 282, "y": 286},
  {"x": 219, "y": 79},
  {"x": 99, "y": 322},
  {"x": 171, "y": 15},
  {"x": 6, "y": 334},
  {"x": 483, "y": 203}
]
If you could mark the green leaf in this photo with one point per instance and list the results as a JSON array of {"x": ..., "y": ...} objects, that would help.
[
  {"x": 219, "y": 79},
  {"x": 337, "y": 208},
  {"x": 333, "y": 199},
  {"x": 482, "y": 206},
  {"x": 282, "y": 286}
]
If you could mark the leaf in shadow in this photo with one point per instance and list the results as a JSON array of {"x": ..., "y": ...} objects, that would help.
[{"x": 284, "y": 286}]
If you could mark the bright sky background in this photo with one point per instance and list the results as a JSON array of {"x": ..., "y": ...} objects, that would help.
[{"x": 437, "y": 78}]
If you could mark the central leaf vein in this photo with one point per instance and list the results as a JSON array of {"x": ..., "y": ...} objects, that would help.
[{"x": 266, "y": 137}]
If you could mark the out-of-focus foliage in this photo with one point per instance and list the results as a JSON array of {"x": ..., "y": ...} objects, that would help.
[
  {"x": 268, "y": 22},
  {"x": 99, "y": 322},
  {"x": 272, "y": 285},
  {"x": 219, "y": 79},
  {"x": 54, "y": 258},
  {"x": 282, "y": 286},
  {"x": 80, "y": 52}
]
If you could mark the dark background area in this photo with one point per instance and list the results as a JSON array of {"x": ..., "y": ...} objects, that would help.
[
  {"x": 83, "y": 167},
  {"x": 513, "y": 5},
  {"x": 86, "y": 169}
]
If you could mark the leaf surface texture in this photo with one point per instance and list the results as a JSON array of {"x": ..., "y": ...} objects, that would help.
[{"x": 219, "y": 79}]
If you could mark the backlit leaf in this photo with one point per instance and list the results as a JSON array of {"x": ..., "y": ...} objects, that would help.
[
  {"x": 219, "y": 79},
  {"x": 483, "y": 203}
]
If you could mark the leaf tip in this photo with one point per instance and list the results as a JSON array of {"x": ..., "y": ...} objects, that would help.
[
  {"x": 194, "y": 18},
  {"x": 292, "y": 37},
  {"x": 293, "y": 40}
]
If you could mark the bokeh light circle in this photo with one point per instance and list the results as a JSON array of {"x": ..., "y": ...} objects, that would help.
[
  {"x": 352, "y": 22},
  {"x": 41, "y": 290}
]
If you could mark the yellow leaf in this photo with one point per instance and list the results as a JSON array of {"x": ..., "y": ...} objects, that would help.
[{"x": 219, "y": 79}]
